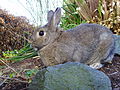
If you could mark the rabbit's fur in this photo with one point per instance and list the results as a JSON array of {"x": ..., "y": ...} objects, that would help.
[{"x": 90, "y": 44}]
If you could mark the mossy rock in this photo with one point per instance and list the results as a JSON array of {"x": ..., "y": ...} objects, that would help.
[{"x": 70, "y": 76}]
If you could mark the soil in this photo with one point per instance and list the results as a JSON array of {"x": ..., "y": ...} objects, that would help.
[{"x": 112, "y": 70}]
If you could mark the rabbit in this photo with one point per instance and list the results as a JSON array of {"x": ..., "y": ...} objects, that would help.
[{"x": 90, "y": 44}]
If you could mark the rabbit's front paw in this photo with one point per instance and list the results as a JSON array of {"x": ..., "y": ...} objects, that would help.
[{"x": 96, "y": 65}]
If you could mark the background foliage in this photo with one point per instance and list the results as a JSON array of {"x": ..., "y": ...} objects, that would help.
[
  {"x": 103, "y": 12},
  {"x": 13, "y": 31}
]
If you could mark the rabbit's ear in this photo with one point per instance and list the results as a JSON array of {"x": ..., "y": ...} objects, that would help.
[
  {"x": 57, "y": 16},
  {"x": 55, "y": 20},
  {"x": 50, "y": 15}
]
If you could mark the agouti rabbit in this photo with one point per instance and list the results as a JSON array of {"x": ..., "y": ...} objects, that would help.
[{"x": 91, "y": 44}]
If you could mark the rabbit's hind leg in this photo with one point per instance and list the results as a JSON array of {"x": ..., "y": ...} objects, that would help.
[
  {"x": 104, "y": 51},
  {"x": 109, "y": 59},
  {"x": 110, "y": 54}
]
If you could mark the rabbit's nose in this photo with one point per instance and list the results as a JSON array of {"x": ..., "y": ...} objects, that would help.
[
  {"x": 34, "y": 46},
  {"x": 36, "y": 49}
]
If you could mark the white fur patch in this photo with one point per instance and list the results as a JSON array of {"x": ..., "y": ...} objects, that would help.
[
  {"x": 96, "y": 65},
  {"x": 103, "y": 36}
]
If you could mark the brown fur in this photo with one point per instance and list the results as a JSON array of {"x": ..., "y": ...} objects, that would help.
[{"x": 87, "y": 43}]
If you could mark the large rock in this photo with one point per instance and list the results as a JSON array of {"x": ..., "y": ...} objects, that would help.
[
  {"x": 70, "y": 76},
  {"x": 117, "y": 44}
]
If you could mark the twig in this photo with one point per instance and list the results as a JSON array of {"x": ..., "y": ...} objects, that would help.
[
  {"x": 27, "y": 10},
  {"x": 113, "y": 73},
  {"x": 8, "y": 78},
  {"x": 9, "y": 66},
  {"x": 3, "y": 82},
  {"x": 16, "y": 33}
]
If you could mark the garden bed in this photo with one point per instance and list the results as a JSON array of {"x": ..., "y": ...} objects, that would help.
[{"x": 111, "y": 70}]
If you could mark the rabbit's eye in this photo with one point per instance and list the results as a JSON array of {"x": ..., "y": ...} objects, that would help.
[{"x": 41, "y": 33}]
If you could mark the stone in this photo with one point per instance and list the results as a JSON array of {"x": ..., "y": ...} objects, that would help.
[
  {"x": 70, "y": 76},
  {"x": 117, "y": 44}
]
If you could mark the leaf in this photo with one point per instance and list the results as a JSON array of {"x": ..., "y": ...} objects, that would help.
[
  {"x": 84, "y": 10},
  {"x": 93, "y": 5}
]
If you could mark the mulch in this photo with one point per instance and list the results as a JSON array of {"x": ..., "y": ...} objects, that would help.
[{"x": 112, "y": 70}]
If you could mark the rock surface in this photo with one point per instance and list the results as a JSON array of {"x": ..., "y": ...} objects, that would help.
[
  {"x": 117, "y": 44},
  {"x": 70, "y": 76}
]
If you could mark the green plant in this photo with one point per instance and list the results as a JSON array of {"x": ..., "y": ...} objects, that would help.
[
  {"x": 11, "y": 75},
  {"x": 71, "y": 18},
  {"x": 9, "y": 54},
  {"x": 18, "y": 55},
  {"x": 29, "y": 73},
  {"x": 104, "y": 12}
]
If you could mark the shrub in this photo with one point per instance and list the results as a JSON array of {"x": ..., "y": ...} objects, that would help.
[{"x": 13, "y": 31}]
